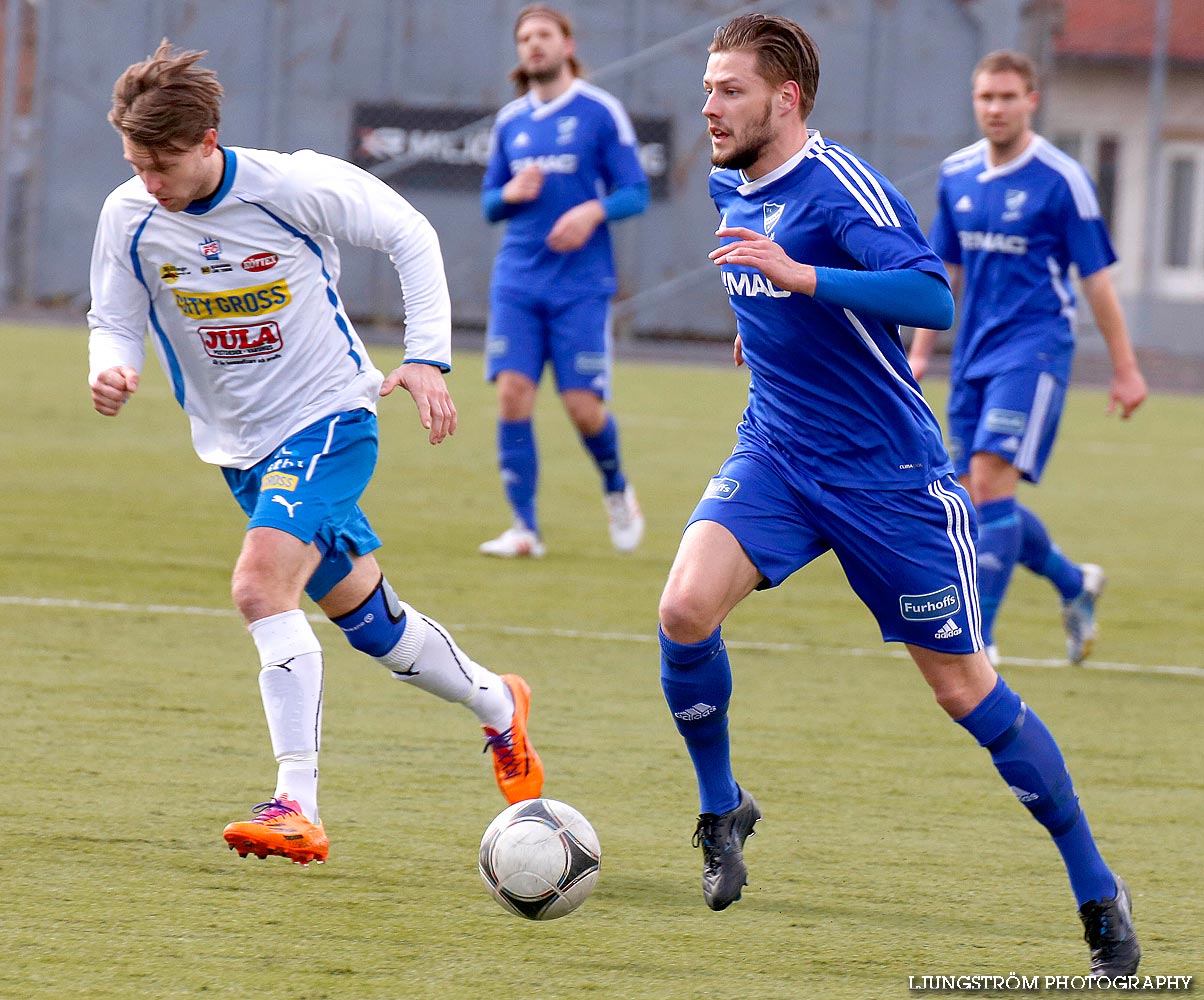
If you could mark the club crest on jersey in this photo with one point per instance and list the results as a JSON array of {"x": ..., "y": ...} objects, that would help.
[
  {"x": 1013, "y": 201},
  {"x": 773, "y": 212},
  {"x": 566, "y": 128},
  {"x": 211, "y": 248}
]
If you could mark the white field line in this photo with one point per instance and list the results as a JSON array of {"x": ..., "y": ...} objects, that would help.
[{"x": 117, "y": 607}]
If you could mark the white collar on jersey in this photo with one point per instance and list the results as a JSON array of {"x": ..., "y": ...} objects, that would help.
[
  {"x": 990, "y": 173},
  {"x": 541, "y": 109},
  {"x": 749, "y": 187}
]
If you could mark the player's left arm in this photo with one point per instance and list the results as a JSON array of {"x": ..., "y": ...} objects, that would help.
[
  {"x": 337, "y": 198},
  {"x": 908, "y": 296},
  {"x": 1128, "y": 389}
]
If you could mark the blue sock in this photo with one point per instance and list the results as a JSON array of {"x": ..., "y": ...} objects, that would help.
[
  {"x": 1038, "y": 553},
  {"x": 697, "y": 681},
  {"x": 604, "y": 447},
  {"x": 519, "y": 464},
  {"x": 1027, "y": 757},
  {"x": 998, "y": 547}
]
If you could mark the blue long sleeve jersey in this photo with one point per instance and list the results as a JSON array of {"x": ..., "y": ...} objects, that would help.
[{"x": 830, "y": 385}]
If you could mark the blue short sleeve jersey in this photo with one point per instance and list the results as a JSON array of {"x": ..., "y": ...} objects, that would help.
[
  {"x": 585, "y": 145},
  {"x": 830, "y": 390},
  {"x": 1016, "y": 229}
]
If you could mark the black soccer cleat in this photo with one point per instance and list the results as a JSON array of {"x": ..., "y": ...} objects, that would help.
[
  {"x": 1109, "y": 933},
  {"x": 724, "y": 873}
]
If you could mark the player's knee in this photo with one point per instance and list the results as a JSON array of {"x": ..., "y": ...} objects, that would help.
[{"x": 684, "y": 619}]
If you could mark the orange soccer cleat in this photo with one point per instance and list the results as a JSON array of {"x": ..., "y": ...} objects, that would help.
[
  {"x": 279, "y": 828},
  {"x": 516, "y": 765}
]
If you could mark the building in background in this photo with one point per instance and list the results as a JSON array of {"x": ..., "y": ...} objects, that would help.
[{"x": 1144, "y": 147}]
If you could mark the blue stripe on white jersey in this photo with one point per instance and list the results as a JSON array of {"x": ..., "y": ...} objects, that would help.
[
  {"x": 331, "y": 296},
  {"x": 173, "y": 363}
]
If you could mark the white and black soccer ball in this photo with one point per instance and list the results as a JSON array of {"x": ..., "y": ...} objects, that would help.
[{"x": 540, "y": 858}]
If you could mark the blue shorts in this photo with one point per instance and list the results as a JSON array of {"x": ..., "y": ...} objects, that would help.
[
  {"x": 527, "y": 329},
  {"x": 908, "y": 554},
  {"x": 310, "y": 487},
  {"x": 1014, "y": 415}
]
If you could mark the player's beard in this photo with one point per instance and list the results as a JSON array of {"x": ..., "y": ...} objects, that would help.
[
  {"x": 752, "y": 144},
  {"x": 547, "y": 74}
]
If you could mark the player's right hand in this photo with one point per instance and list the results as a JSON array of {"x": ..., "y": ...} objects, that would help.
[
  {"x": 112, "y": 388},
  {"x": 523, "y": 186}
]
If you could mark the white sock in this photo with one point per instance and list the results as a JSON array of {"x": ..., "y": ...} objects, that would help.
[
  {"x": 290, "y": 682},
  {"x": 428, "y": 657}
]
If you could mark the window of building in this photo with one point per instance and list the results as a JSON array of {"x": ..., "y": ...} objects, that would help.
[
  {"x": 1099, "y": 153},
  {"x": 1180, "y": 249}
]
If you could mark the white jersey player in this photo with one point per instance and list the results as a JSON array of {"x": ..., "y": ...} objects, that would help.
[{"x": 227, "y": 257}]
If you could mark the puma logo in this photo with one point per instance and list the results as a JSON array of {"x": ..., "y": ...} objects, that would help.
[{"x": 291, "y": 506}]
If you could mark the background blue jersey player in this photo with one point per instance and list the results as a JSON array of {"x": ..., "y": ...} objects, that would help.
[
  {"x": 1013, "y": 215},
  {"x": 837, "y": 449},
  {"x": 563, "y": 163}
]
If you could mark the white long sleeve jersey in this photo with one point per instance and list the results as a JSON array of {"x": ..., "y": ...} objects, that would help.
[{"x": 239, "y": 295}]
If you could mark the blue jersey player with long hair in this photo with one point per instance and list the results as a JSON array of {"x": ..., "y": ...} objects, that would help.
[
  {"x": 837, "y": 450},
  {"x": 1013, "y": 214},
  {"x": 562, "y": 165}
]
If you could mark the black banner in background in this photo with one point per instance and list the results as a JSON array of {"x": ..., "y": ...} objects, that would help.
[{"x": 448, "y": 147}]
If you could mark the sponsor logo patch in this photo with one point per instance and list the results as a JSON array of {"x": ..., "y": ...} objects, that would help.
[
  {"x": 721, "y": 488},
  {"x": 233, "y": 345},
  {"x": 938, "y": 604},
  {"x": 254, "y": 301},
  {"x": 263, "y": 261},
  {"x": 1006, "y": 421},
  {"x": 218, "y": 268},
  {"x": 171, "y": 272},
  {"x": 278, "y": 481}
]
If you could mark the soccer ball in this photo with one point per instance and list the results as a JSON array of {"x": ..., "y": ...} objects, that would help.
[{"x": 539, "y": 859}]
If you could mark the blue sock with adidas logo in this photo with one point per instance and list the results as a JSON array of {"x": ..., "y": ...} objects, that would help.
[
  {"x": 518, "y": 461},
  {"x": 697, "y": 681},
  {"x": 1027, "y": 757},
  {"x": 998, "y": 548}
]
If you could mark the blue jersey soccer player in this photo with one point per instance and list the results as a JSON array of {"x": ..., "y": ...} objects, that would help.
[
  {"x": 1013, "y": 215},
  {"x": 822, "y": 259},
  {"x": 226, "y": 255},
  {"x": 562, "y": 164}
]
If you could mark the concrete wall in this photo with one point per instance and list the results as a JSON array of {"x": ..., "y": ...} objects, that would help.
[{"x": 894, "y": 80}]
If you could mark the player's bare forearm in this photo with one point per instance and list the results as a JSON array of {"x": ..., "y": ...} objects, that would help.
[
  {"x": 919, "y": 354},
  {"x": 1128, "y": 390},
  {"x": 112, "y": 389},
  {"x": 425, "y": 383}
]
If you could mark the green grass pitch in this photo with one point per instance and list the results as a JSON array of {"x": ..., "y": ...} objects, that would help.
[{"x": 133, "y": 730}]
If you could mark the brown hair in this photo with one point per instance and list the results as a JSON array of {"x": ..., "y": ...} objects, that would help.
[
  {"x": 522, "y": 82},
  {"x": 166, "y": 103},
  {"x": 784, "y": 52},
  {"x": 1007, "y": 61}
]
